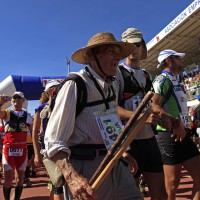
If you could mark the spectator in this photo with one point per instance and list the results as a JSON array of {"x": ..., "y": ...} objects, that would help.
[
  {"x": 82, "y": 133},
  {"x": 176, "y": 147},
  {"x": 17, "y": 122}
]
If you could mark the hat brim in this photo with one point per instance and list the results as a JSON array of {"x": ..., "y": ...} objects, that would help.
[
  {"x": 19, "y": 94},
  {"x": 179, "y": 54},
  {"x": 134, "y": 40},
  {"x": 144, "y": 47},
  {"x": 80, "y": 56},
  {"x": 144, "y": 50}
]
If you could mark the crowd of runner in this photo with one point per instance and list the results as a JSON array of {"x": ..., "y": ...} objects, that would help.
[{"x": 71, "y": 137}]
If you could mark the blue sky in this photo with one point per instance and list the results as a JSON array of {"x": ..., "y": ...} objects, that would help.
[{"x": 37, "y": 35}]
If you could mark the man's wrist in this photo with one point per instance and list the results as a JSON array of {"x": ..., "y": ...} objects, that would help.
[{"x": 176, "y": 123}]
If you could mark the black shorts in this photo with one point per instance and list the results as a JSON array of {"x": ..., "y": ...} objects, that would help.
[
  {"x": 176, "y": 152},
  {"x": 30, "y": 151},
  {"x": 147, "y": 155}
]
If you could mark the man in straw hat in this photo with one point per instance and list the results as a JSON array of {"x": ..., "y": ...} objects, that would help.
[
  {"x": 135, "y": 82},
  {"x": 176, "y": 146},
  {"x": 82, "y": 138}
]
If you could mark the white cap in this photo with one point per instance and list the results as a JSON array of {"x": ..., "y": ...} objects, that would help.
[
  {"x": 21, "y": 94},
  {"x": 50, "y": 84},
  {"x": 166, "y": 53}
]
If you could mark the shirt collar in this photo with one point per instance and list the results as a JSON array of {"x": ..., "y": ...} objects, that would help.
[
  {"x": 168, "y": 73},
  {"x": 130, "y": 67},
  {"x": 99, "y": 79}
]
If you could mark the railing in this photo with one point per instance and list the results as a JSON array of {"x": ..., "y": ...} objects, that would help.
[{"x": 193, "y": 92}]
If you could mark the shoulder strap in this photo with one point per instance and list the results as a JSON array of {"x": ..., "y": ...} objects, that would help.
[
  {"x": 82, "y": 93},
  {"x": 81, "y": 96},
  {"x": 131, "y": 85},
  {"x": 148, "y": 85},
  {"x": 169, "y": 92}
]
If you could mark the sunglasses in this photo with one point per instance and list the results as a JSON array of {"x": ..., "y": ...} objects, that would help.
[
  {"x": 16, "y": 97},
  {"x": 176, "y": 57},
  {"x": 138, "y": 44}
]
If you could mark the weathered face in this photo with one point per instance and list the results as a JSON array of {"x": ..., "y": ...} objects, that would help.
[{"x": 109, "y": 57}]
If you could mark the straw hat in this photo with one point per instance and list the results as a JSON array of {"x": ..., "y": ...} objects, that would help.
[{"x": 80, "y": 56}]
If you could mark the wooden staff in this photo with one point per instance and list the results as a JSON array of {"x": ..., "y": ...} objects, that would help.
[
  {"x": 122, "y": 136},
  {"x": 134, "y": 131}
]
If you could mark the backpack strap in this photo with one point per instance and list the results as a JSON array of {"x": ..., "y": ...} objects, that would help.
[
  {"x": 131, "y": 85},
  {"x": 104, "y": 100},
  {"x": 169, "y": 92},
  {"x": 148, "y": 86},
  {"x": 81, "y": 96},
  {"x": 82, "y": 93}
]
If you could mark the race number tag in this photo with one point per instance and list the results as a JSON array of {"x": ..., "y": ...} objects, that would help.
[
  {"x": 109, "y": 125},
  {"x": 15, "y": 152},
  {"x": 185, "y": 118},
  {"x": 136, "y": 101}
]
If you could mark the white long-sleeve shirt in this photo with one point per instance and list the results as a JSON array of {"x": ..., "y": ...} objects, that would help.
[{"x": 64, "y": 128}]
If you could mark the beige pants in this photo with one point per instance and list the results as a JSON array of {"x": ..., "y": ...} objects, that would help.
[{"x": 119, "y": 185}]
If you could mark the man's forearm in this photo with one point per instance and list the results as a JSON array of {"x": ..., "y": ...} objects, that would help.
[
  {"x": 163, "y": 114},
  {"x": 124, "y": 113},
  {"x": 62, "y": 161}
]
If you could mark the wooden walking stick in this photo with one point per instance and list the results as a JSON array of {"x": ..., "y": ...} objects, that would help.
[
  {"x": 122, "y": 136},
  {"x": 134, "y": 131}
]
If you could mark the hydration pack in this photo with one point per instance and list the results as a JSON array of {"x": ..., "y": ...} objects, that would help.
[{"x": 131, "y": 85}]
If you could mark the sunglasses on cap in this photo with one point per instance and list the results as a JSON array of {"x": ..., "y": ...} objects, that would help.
[
  {"x": 16, "y": 97},
  {"x": 138, "y": 44}
]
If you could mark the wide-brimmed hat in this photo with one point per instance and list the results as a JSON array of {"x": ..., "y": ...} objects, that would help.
[
  {"x": 166, "y": 53},
  {"x": 133, "y": 35},
  {"x": 80, "y": 56}
]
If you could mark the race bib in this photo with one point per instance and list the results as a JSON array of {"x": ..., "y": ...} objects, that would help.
[
  {"x": 15, "y": 152},
  {"x": 109, "y": 125},
  {"x": 136, "y": 101},
  {"x": 185, "y": 118}
]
